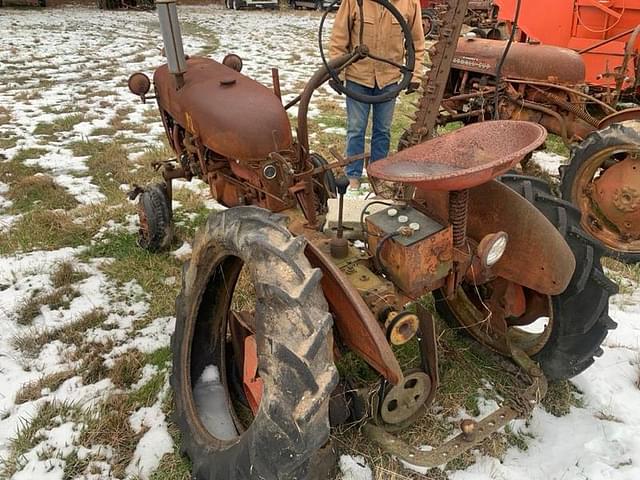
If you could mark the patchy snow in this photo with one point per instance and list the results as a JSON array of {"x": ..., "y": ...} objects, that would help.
[
  {"x": 598, "y": 441},
  {"x": 211, "y": 403},
  {"x": 184, "y": 252},
  {"x": 355, "y": 468},
  {"x": 82, "y": 72},
  {"x": 155, "y": 442},
  {"x": 548, "y": 161}
]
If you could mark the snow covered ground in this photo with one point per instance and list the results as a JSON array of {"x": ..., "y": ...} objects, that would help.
[{"x": 63, "y": 75}]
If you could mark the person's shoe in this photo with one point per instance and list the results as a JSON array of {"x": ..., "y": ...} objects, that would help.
[{"x": 354, "y": 184}]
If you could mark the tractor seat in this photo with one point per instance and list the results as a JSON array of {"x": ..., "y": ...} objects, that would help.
[{"x": 464, "y": 158}]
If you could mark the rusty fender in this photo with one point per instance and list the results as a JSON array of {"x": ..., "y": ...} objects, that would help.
[{"x": 537, "y": 256}]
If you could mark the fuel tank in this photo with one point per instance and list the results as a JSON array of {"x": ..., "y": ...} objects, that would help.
[
  {"x": 524, "y": 61},
  {"x": 230, "y": 113}
]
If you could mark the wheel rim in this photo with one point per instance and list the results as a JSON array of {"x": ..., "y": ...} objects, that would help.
[
  {"x": 525, "y": 316},
  {"x": 607, "y": 192},
  {"x": 221, "y": 406}
]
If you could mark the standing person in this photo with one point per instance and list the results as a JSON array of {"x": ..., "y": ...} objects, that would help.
[{"x": 383, "y": 35}]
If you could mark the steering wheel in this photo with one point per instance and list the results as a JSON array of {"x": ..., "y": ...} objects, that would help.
[{"x": 361, "y": 51}]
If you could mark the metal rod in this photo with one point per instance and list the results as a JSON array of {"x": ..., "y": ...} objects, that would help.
[{"x": 604, "y": 42}]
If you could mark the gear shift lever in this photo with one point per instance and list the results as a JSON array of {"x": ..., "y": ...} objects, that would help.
[{"x": 339, "y": 246}]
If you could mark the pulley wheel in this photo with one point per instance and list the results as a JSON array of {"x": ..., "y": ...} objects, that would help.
[{"x": 405, "y": 401}]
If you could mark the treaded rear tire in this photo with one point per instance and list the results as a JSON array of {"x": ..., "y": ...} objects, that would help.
[
  {"x": 615, "y": 134},
  {"x": 294, "y": 339},
  {"x": 581, "y": 312}
]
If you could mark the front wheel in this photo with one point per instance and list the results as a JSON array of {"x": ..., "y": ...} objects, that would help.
[
  {"x": 252, "y": 351},
  {"x": 154, "y": 215},
  {"x": 562, "y": 332}
]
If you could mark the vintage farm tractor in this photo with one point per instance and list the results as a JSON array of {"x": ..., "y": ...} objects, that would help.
[
  {"x": 269, "y": 301},
  {"x": 576, "y": 93},
  {"x": 482, "y": 17}
]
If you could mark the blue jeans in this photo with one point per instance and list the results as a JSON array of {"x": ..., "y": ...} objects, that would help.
[{"x": 357, "y": 119}]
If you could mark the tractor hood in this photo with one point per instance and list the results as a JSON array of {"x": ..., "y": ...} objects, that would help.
[
  {"x": 525, "y": 61},
  {"x": 231, "y": 114}
]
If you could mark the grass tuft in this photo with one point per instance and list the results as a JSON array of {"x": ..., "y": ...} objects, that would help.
[
  {"x": 73, "y": 333},
  {"x": 66, "y": 274},
  {"x": 56, "y": 299},
  {"x": 39, "y": 191},
  {"x": 60, "y": 124},
  {"x": 561, "y": 396},
  {"x": 127, "y": 369},
  {"x": 32, "y": 390},
  {"x": 134, "y": 263},
  {"x": 44, "y": 230},
  {"x": 29, "y": 434},
  {"x": 109, "y": 425}
]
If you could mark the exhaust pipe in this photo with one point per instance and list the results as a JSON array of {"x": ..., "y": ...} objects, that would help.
[{"x": 172, "y": 38}]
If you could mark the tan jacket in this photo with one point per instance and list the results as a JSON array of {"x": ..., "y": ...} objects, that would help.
[{"x": 382, "y": 34}]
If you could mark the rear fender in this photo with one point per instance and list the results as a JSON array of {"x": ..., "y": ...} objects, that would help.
[{"x": 537, "y": 256}]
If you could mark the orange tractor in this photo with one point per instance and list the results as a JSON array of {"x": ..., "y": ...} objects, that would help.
[
  {"x": 270, "y": 301},
  {"x": 572, "y": 68}
]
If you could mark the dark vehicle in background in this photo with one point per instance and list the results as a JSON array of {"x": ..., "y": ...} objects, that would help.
[
  {"x": 246, "y": 4},
  {"x": 314, "y": 4}
]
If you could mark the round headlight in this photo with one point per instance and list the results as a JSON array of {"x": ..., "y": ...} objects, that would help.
[{"x": 492, "y": 248}]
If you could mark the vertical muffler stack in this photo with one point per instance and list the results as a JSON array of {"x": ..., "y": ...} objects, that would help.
[{"x": 172, "y": 38}]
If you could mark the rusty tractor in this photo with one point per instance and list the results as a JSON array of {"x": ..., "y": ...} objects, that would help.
[
  {"x": 270, "y": 301},
  {"x": 482, "y": 17},
  {"x": 555, "y": 87}
]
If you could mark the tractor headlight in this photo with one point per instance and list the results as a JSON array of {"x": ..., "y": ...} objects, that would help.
[{"x": 492, "y": 248}]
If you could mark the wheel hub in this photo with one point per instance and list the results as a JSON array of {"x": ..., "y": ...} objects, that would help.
[{"x": 615, "y": 200}]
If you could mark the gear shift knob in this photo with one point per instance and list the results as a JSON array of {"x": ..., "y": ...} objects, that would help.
[{"x": 342, "y": 183}]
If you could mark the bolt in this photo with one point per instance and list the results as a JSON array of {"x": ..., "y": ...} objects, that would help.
[{"x": 468, "y": 428}]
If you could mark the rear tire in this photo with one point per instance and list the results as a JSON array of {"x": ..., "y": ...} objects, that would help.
[
  {"x": 582, "y": 310},
  {"x": 294, "y": 342},
  {"x": 581, "y": 313},
  {"x": 623, "y": 135}
]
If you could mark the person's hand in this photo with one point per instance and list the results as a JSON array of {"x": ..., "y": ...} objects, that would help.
[
  {"x": 413, "y": 86},
  {"x": 334, "y": 85}
]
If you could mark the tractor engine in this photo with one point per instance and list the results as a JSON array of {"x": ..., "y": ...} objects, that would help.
[
  {"x": 539, "y": 83},
  {"x": 228, "y": 130}
]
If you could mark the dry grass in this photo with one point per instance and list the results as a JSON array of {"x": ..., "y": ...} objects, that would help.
[
  {"x": 561, "y": 396},
  {"x": 66, "y": 274},
  {"x": 29, "y": 434},
  {"x": 30, "y": 343},
  {"x": 61, "y": 124},
  {"x": 127, "y": 369},
  {"x": 5, "y": 115},
  {"x": 33, "y": 390},
  {"x": 109, "y": 425},
  {"x": 39, "y": 191},
  {"x": 44, "y": 230},
  {"x": 148, "y": 269},
  {"x": 55, "y": 299}
]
